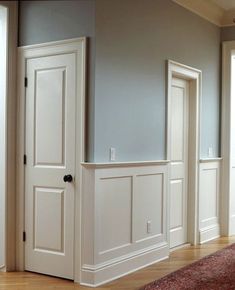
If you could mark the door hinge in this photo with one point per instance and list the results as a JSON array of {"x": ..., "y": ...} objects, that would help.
[
  {"x": 25, "y": 159},
  {"x": 26, "y": 82},
  {"x": 24, "y": 236}
]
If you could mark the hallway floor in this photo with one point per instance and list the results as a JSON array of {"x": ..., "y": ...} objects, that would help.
[{"x": 178, "y": 259}]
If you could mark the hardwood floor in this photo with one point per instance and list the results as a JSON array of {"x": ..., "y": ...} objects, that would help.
[{"x": 178, "y": 259}]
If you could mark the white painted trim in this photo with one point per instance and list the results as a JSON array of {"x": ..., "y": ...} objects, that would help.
[
  {"x": 209, "y": 233},
  {"x": 101, "y": 274},
  {"x": 195, "y": 78},
  {"x": 3, "y": 130},
  {"x": 110, "y": 252},
  {"x": 124, "y": 164},
  {"x": 77, "y": 46},
  {"x": 227, "y": 220},
  {"x": 209, "y": 218},
  {"x": 11, "y": 133},
  {"x": 206, "y": 160}
]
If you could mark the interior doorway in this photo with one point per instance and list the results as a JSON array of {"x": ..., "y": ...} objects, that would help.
[
  {"x": 183, "y": 107},
  {"x": 51, "y": 148}
]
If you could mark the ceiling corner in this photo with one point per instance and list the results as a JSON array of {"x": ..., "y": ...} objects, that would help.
[{"x": 208, "y": 10}]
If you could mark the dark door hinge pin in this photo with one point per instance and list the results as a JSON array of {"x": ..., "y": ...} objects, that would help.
[{"x": 24, "y": 236}]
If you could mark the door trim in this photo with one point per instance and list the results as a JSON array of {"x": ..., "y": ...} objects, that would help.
[
  {"x": 194, "y": 76},
  {"x": 78, "y": 46},
  {"x": 10, "y": 133},
  {"x": 227, "y": 217}
]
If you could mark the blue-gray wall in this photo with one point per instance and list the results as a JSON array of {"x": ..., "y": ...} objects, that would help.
[
  {"x": 43, "y": 21},
  {"x": 133, "y": 39}
]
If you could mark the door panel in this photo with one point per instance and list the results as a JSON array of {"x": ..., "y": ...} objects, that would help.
[
  {"x": 50, "y": 150},
  {"x": 49, "y": 117},
  {"x": 48, "y": 209},
  {"x": 176, "y": 190},
  {"x": 179, "y": 162}
]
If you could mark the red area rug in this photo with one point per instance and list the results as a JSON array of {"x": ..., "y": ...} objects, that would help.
[{"x": 216, "y": 271}]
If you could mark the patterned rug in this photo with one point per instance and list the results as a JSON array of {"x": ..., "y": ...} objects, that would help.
[{"x": 216, "y": 271}]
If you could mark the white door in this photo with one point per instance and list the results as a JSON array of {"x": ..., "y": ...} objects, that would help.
[
  {"x": 179, "y": 162},
  {"x": 50, "y": 165}
]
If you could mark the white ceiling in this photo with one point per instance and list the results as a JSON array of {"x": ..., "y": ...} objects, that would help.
[{"x": 225, "y": 4}]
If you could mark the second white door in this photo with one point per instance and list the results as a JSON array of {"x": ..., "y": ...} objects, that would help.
[{"x": 179, "y": 161}]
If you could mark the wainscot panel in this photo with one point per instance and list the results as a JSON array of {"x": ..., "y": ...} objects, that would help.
[
  {"x": 209, "y": 199},
  {"x": 124, "y": 218}
]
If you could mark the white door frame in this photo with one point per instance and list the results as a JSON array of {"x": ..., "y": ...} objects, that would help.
[
  {"x": 194, "y": 77},
  {"x": 10, "y": 133},
  {"x": 227, "y": 217},
  {"x": 77, "y": 46}
]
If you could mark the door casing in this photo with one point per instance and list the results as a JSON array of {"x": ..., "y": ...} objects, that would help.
[
  {"x": 226, "y": 207},
  {"x": 175, "y": 69},
  {"x": 10, "y": 133},
  {"x": 77, "y": 46}
]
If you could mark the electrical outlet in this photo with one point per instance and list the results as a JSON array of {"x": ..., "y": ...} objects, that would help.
[
  {"x": 210, "y": 151},
  {"x": 149, "y": 227},
  {"x": 112, "y": 154}
]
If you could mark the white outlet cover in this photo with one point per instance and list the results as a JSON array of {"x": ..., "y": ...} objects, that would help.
[
  {"x": 210, "y": 151},
  {"x": 112, "y": 154}
]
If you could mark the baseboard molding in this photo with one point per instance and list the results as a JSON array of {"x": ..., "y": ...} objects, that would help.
[
  {"x": 97, "y": 275},
  {"x": 209, "y": 233}
]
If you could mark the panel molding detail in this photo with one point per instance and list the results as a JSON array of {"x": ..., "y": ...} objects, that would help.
[
  {"x": 53, "y": 215},
  {"x": 124, "y": 220},
  {"x": 209, "y": 201}
]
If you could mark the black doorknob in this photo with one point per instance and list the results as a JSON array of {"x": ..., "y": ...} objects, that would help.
[{"x": 68, "y": 178}]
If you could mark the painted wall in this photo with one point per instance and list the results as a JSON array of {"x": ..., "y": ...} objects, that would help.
[
  {"x": 43, "y": 21},
  {"x": 127, "y": 71},
  {"x": 133, "y": 40}
]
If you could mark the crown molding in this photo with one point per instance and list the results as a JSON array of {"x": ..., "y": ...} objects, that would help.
[{"x": 209, "y": 11}]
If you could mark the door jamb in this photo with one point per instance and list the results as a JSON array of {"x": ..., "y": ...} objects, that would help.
[
  {"x": 10, "y": 129},
  {"x": 194, "y": 76},
  {"x": 78, "y": 46},
  {"x": 227, "y": 216}
]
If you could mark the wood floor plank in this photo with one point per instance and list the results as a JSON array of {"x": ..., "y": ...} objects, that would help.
[{"x": 177, "y": 259}]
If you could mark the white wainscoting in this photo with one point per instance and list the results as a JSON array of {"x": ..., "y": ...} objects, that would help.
[
  {"x": 124, "y": 219},
  {"x": 209, "y": 199}
]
